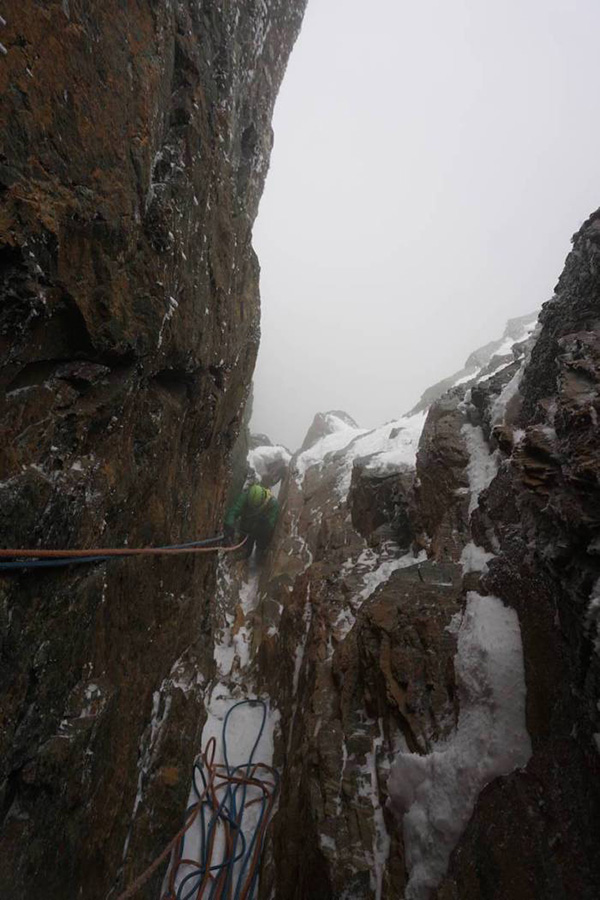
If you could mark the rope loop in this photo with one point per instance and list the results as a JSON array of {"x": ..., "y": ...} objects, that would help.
[{"x": 227, "y": 849}]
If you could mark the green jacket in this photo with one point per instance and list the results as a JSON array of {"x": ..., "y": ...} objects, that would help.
[{"x": 252, "y": 521}]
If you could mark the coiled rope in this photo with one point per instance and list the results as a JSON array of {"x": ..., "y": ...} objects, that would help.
[
  {"x": 227, "y": 861},
  {"x": 37, "y": 559}
]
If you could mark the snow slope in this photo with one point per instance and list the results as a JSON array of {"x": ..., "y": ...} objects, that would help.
[{"x": 389, "y": 448}]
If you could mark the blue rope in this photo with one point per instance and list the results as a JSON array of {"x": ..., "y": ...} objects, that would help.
[
  {"x": 78, "y": 560},
  {"x": 244, "y": 789},
  {"x": 231, "y": 809}
]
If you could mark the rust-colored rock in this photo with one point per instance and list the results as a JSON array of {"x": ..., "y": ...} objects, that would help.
[
  {"x": 135, "y": 143},
  {"x": 540, "y": 516},
  {"x": 442, "y": 494}
]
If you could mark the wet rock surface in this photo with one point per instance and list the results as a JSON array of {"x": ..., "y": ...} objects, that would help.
[
  {"x": 356, "y": 638},
  {"x": 136, "y": 140},
  {"x": 540, "y": 517},
  {"x": 351, "y": 646}
]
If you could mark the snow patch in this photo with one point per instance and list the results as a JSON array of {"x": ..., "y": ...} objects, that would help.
[
  {"x": 331, "y": 443},
  {"x": 498, "y": 411},
  {"x": 148, "y": 746},
  {"x": 172, "y": 306},
  {"x": 483, "y": 465},
  {"x": 385, "y": 450},
  {"x": 434, "y": 795},
  {"x": 474, "y": 558},
  {"x": 261, "y": 459},
  {"x": 327, "y": 843},
  {"x": 383, "y": 572},
  {"x": 381, "y": 838}
]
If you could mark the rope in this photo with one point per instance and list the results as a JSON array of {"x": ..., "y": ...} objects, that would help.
[
  {"x": 53, "y": 558},
  {"x": 226, "y": 864}
]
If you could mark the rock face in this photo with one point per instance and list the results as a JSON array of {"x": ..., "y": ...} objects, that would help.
[
  {"x": 425, "y": 628},
  {"x": 540, "y": 517},
  {"x": 335, "y": 662},
  {"x": 135, "y": 143},
  {"x": 354, "y": 674},
  {"x": 484, "y": 361},
  {"x": 422, "y": 575}
]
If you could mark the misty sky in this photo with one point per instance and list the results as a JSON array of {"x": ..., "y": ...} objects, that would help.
[{"x": 432, "y": 160}]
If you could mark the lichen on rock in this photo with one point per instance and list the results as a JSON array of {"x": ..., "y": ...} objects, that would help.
[{"x": 135, "y": 144}]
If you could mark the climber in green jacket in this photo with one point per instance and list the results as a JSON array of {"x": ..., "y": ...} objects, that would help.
[{"x": 257, "y": 511}]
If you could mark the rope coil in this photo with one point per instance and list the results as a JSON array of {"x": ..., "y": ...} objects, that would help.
[{"x": 226, "y": 864}]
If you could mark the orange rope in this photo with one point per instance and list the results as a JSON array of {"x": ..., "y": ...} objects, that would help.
[
  {"x": 218, "y": 778},
  {"x": 101, "y": 551}
]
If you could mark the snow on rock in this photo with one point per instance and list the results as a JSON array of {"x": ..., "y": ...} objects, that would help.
[
  {"x": 382, "y": 573},
  {"x": 483, "y": 465},
  {"x": 433, "y": 796},
  {"x": 388, "y": 448},
  {"x": 517, "y": 335},
  {"x": 317, "y": 453},
  {"x": 265, "y": 460},
  {"x": 486, "y": 361},
  {"x": 511, "y": 390},
  {"x": 381, "y": 838},
  {"x": 374, "y": 570},
  {"x": 326, "y": 423},
  {"x": 475, "y": 558}
]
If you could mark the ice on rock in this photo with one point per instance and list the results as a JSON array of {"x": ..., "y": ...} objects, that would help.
[
  {"x": 475, "y": 558},
  {"x": 383, "y": 572},
  {"x": 483, "y": 465},
  {"x": 262, "y": 459},
  {"x": 433, "y": 796}
]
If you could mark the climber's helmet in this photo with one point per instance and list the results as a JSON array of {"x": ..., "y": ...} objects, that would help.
[{"x": 257, "y": 496}]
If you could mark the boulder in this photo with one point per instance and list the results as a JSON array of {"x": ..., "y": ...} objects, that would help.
[{"x": 327, "y": 423}]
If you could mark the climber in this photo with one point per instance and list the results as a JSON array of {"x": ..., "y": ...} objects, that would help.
[{"x": 257, "y": 511}]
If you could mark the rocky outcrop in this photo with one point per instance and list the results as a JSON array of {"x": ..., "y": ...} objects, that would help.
[
  {"x": 327, "y": 423},
  {"x": 455, "y": 459},
  {"x": 380, "y": 505},
  {"x": 424, "y": 627},
  {"x": 540, "y": 518},
  {"x": 135, "y": 143},
  {"x": 484, "y": 361},
  {"x": 355, "y": 673},
  {"x": 408, "y": 598}
]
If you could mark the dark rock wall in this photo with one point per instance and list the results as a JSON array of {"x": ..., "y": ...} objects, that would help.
[
  {"x": 542, "y": 515},
  {"x": 357, "y": 660},
  {"x": 507, "y": 483},
  {"x": 135, "y": 143}
]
